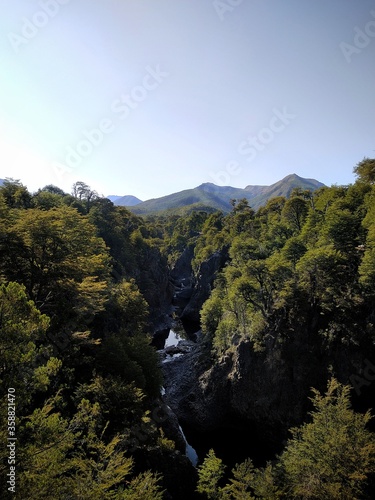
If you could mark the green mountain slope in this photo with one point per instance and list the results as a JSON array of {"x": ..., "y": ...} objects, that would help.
[
  {"x": 280, "y": 188},
  {"x": 208, "y": 196}
]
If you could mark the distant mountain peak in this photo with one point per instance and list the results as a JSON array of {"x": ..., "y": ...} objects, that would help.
[
  {"x": 125, "y": 201},
  {"x": 210, "y": 197},
  {"x": 299, "y": 178},
  {"x": 292, "y": 176},
  {"x": 210, "y": 187}
]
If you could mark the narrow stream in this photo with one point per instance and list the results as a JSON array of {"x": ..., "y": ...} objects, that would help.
[
  {"x": 172, "y": 340},
  {"x": 190, "y": 451}
]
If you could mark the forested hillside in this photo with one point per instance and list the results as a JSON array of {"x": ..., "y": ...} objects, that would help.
[
  {"x": 209, "y": 197},
  {"x": 79, "y": 287},
  {"x": 285, "y": 298}
]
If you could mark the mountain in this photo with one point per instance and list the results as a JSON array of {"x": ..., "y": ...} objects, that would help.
[
  {"x": 211, "y": 197},
  {"x": 2, "y": 182},
  {"x": 261, "y": 194},
  {"x": 205, "y": 197},
  {"x": 128, "y": 200},
  {"x": 113, "y": 198}
]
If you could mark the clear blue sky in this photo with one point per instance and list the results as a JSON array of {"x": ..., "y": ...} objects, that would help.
[{"x": 149, "y": 97}]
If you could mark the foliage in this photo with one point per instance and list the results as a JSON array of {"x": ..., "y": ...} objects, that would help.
[
  {"x": 15, "y": 194},
  {"x": 22, "y": 329},
  {"x": 365, "y": 170},
  {"x": 70, "y": 460},
  {"x": 309, "y": 256},
  {"x": 332, "y": 456},
  {"x": 82, "y": 283},
  {"x": 239, "y": 486},
  {"x": 69, "y": 295},
  {"x": 56, "y": 255},
  {"x": 210, "y": 473}
]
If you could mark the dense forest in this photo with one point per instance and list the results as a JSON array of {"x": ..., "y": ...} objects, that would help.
[{"x": 286, "y": 326}]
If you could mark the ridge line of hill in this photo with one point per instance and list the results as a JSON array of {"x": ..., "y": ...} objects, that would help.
[{"x": 209, "y": 196}]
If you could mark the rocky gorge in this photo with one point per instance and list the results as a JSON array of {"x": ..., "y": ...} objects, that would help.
[
  {"x": 223, "y": 404},
  {"x": 245, "y": 402}
]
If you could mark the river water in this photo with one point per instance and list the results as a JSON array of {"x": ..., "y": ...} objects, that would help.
[
  {"x": 172, "y": 340},
  {"x": 190, "y": 451},
  {"x": 233, "y": 444}
]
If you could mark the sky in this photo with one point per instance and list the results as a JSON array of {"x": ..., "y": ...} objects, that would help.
[{"x": 150, "y": 97}]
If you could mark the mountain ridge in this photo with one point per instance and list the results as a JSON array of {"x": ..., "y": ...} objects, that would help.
[
  {"x": 209, "y": 196},
  {"x": 125, "y": 201}
]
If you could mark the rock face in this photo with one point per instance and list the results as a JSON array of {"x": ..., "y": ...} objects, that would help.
[
  {"x": 182, "y": 270},
  {"x": 266, "y": 390},
  {"x": 160, "y": 336},
  {"x": 183, "y": 390},
  {"x": 157, "y": 288},
  {"x": 154, "y": 283},
  {"x": 202, "y": 288},
  {"x": 194, "y": 291},
  {"x": 170, "y": 425},
  {"x": 269, "y": 389},
  {"x": 248, "y": 388}
]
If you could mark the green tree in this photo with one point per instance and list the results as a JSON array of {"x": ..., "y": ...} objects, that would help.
[
  {"x": 367, "y": 267},
  {"x": 133, "y": 359},
  {"x": 333, "y": 456},
  {"x": 210, "y": 473},
  {"x": 121, "y": 403},
  {"x": 365, "y": 170},
  {"x": 294, "y": 212},
  {"x": 293, "y": 250},
  {"x": 84, "y": 194},
  {"x": 341, "y": 226},
  {"x": 45, "y": 200},
  {"x": 22, "y": 328},
  {"x": 242, "y": 216},
  {"x": 44, "y": 463},
  {"x": 145, "y": 486},
  {"x": 211, "y": 314},
  {"x": 241, "y": 484},
  {"x": 72, "y": 459},
  {"x": 126, "y": 310},
  {"x": 15, "y": 194},
  {"x": 321, "y": 273},
  {"x": 51, "y": 188},
  {"x": 60, "y": 260}
]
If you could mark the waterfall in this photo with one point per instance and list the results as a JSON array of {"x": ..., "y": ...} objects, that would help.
[
  {"x": 189, "y": 451},
  {"x": 172, "y": 340}
]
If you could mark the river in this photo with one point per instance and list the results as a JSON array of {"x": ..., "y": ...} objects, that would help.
[
  {"x": 172, "y": 340},
  {"x": 233, "y": 443}
]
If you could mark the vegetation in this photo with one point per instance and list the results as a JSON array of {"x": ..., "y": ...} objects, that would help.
[
  {"x": 310, "y": 256},
  {"x": 82, "y": 283},
  {"x": 209, "y": 197},
  {"x": 330, "y": 457},
  {"x": 74, "y": 346}
]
